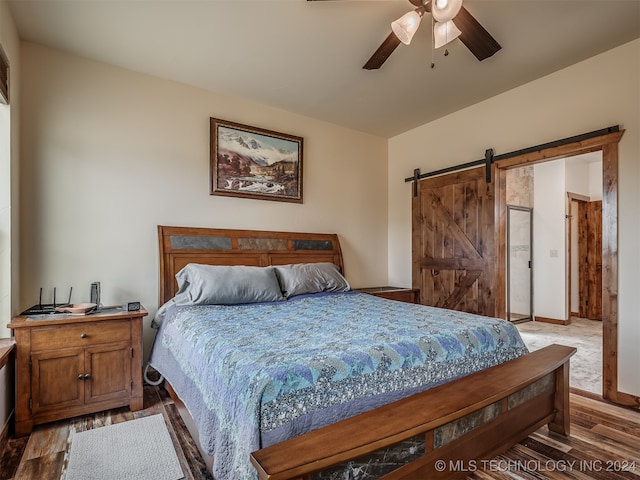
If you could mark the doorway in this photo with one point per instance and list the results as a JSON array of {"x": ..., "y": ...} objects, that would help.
[
  {"x": 519, "y": 263},
  {"x": 608, "y": 144},
  {"x": 590, "y": 254},
  {"x": 606, "y": 141},
  {"x": 585, "y": 257}
]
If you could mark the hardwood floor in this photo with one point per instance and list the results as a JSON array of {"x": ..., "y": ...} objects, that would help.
[
  {"x": 43, "y": 455},
  {"x": 604, "y": 444}
]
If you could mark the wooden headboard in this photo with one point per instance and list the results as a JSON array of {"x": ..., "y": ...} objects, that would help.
[{"x": 212, "y": 246}]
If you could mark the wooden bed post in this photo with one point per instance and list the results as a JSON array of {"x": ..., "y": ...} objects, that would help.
[{"x": 560, "y": 423}]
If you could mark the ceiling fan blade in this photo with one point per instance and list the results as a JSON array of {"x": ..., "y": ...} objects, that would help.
[
  {"x": 382, "y": 53},
  {"x": 474, "y": 36},
  {"x": 417, "y": 3}
]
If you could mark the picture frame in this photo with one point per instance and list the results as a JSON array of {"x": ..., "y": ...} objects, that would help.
[{"x": 252, "y": 162}]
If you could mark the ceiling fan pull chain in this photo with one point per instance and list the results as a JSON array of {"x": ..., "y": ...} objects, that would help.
[
  {"x": 433, "y": 43},
  {"x": 446, "y": 50},
  {"x": 447, "y": 26}
]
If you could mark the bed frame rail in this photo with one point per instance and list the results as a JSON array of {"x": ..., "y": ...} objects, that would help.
[{"x": 456, "y": 424}]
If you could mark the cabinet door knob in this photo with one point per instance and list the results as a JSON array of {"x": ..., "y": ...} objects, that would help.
[
  {"x": 83, "y": 335},
  {"x": 87, "y": 376},
  {"x": 80, "y": 377}
]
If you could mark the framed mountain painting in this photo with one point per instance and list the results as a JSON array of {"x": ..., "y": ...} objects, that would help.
[{"x": 255, "y": 163}]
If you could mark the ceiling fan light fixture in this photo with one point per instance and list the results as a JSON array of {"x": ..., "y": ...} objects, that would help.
[
  {"x": 444, "y": 33},
  {"x": 445, "y": 10},
  {"x": 405, "y": 27}
]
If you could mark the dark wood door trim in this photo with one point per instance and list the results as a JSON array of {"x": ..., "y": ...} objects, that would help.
[
  {"x": 609, "y": 145},
  {"x": 571, "y": 198},
  {"x": 589, "y": 254}
]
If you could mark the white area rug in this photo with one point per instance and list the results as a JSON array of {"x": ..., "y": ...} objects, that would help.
[{"x": 139, "y": 449}]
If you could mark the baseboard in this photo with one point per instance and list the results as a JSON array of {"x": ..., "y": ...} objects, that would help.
[
  {"x": 574, "y": 314},
  {"x": 555, "y": 321},
  {"x": 627, "y": 400},
  {"x": 632, "y": 401}
]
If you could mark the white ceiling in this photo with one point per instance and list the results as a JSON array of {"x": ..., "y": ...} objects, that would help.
[{"x": 306, "y": 57}]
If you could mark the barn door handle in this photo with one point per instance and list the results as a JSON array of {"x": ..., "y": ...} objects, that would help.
[{"x": 435, "y": 273}]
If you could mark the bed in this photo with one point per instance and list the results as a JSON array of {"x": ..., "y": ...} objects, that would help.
[{"x": 306, "y": 379}]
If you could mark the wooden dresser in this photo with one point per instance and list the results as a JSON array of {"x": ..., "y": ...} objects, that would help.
[
  {"x": 409, "y": 295},
  {"x": 71, "y": 365}
]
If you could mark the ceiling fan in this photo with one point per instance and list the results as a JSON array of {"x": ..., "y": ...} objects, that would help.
[{"x": 450, "y": 21}]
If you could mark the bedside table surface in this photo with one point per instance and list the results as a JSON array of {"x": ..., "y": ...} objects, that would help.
[
  {"x": 109, "y": 313},
  {"x": 384, "y": 289},
  {"x": 402, "y": 294}
]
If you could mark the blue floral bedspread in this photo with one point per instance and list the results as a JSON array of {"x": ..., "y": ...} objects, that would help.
[{"x": 253, "y": 375}]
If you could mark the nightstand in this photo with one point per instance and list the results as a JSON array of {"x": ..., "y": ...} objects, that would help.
[
  {"x": 409, "y": 295},
  {"x": 69, "y": 365}
]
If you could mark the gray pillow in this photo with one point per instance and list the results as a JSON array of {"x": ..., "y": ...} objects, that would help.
[
  {"x": 300, "y": 278},
  {"x": 226, "y": 285}
]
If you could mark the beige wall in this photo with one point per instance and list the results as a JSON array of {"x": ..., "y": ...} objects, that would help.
[
  {"x": 108, "y": 154},
  {"x": 9, "y": 220},
  {"x": 9, "y": 173},
  {"x": 590, "y": 95},
  {"x": 549, "y": 252}
]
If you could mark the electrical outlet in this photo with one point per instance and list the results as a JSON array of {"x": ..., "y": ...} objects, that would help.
[{"x": 553, "y": 253}]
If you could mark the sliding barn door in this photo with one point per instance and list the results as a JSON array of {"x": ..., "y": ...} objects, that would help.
[
  {"x": 453, "y": 242},
  {"x": 590, "y": 259}
]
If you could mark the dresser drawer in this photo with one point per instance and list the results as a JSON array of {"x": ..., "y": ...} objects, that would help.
[{"x": 79, "y": 335}]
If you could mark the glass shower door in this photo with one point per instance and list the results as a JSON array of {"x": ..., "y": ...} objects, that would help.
[{"x": 519, "y": 264}]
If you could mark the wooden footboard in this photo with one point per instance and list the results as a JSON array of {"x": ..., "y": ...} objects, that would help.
[{"x": 450, "y": 428}]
